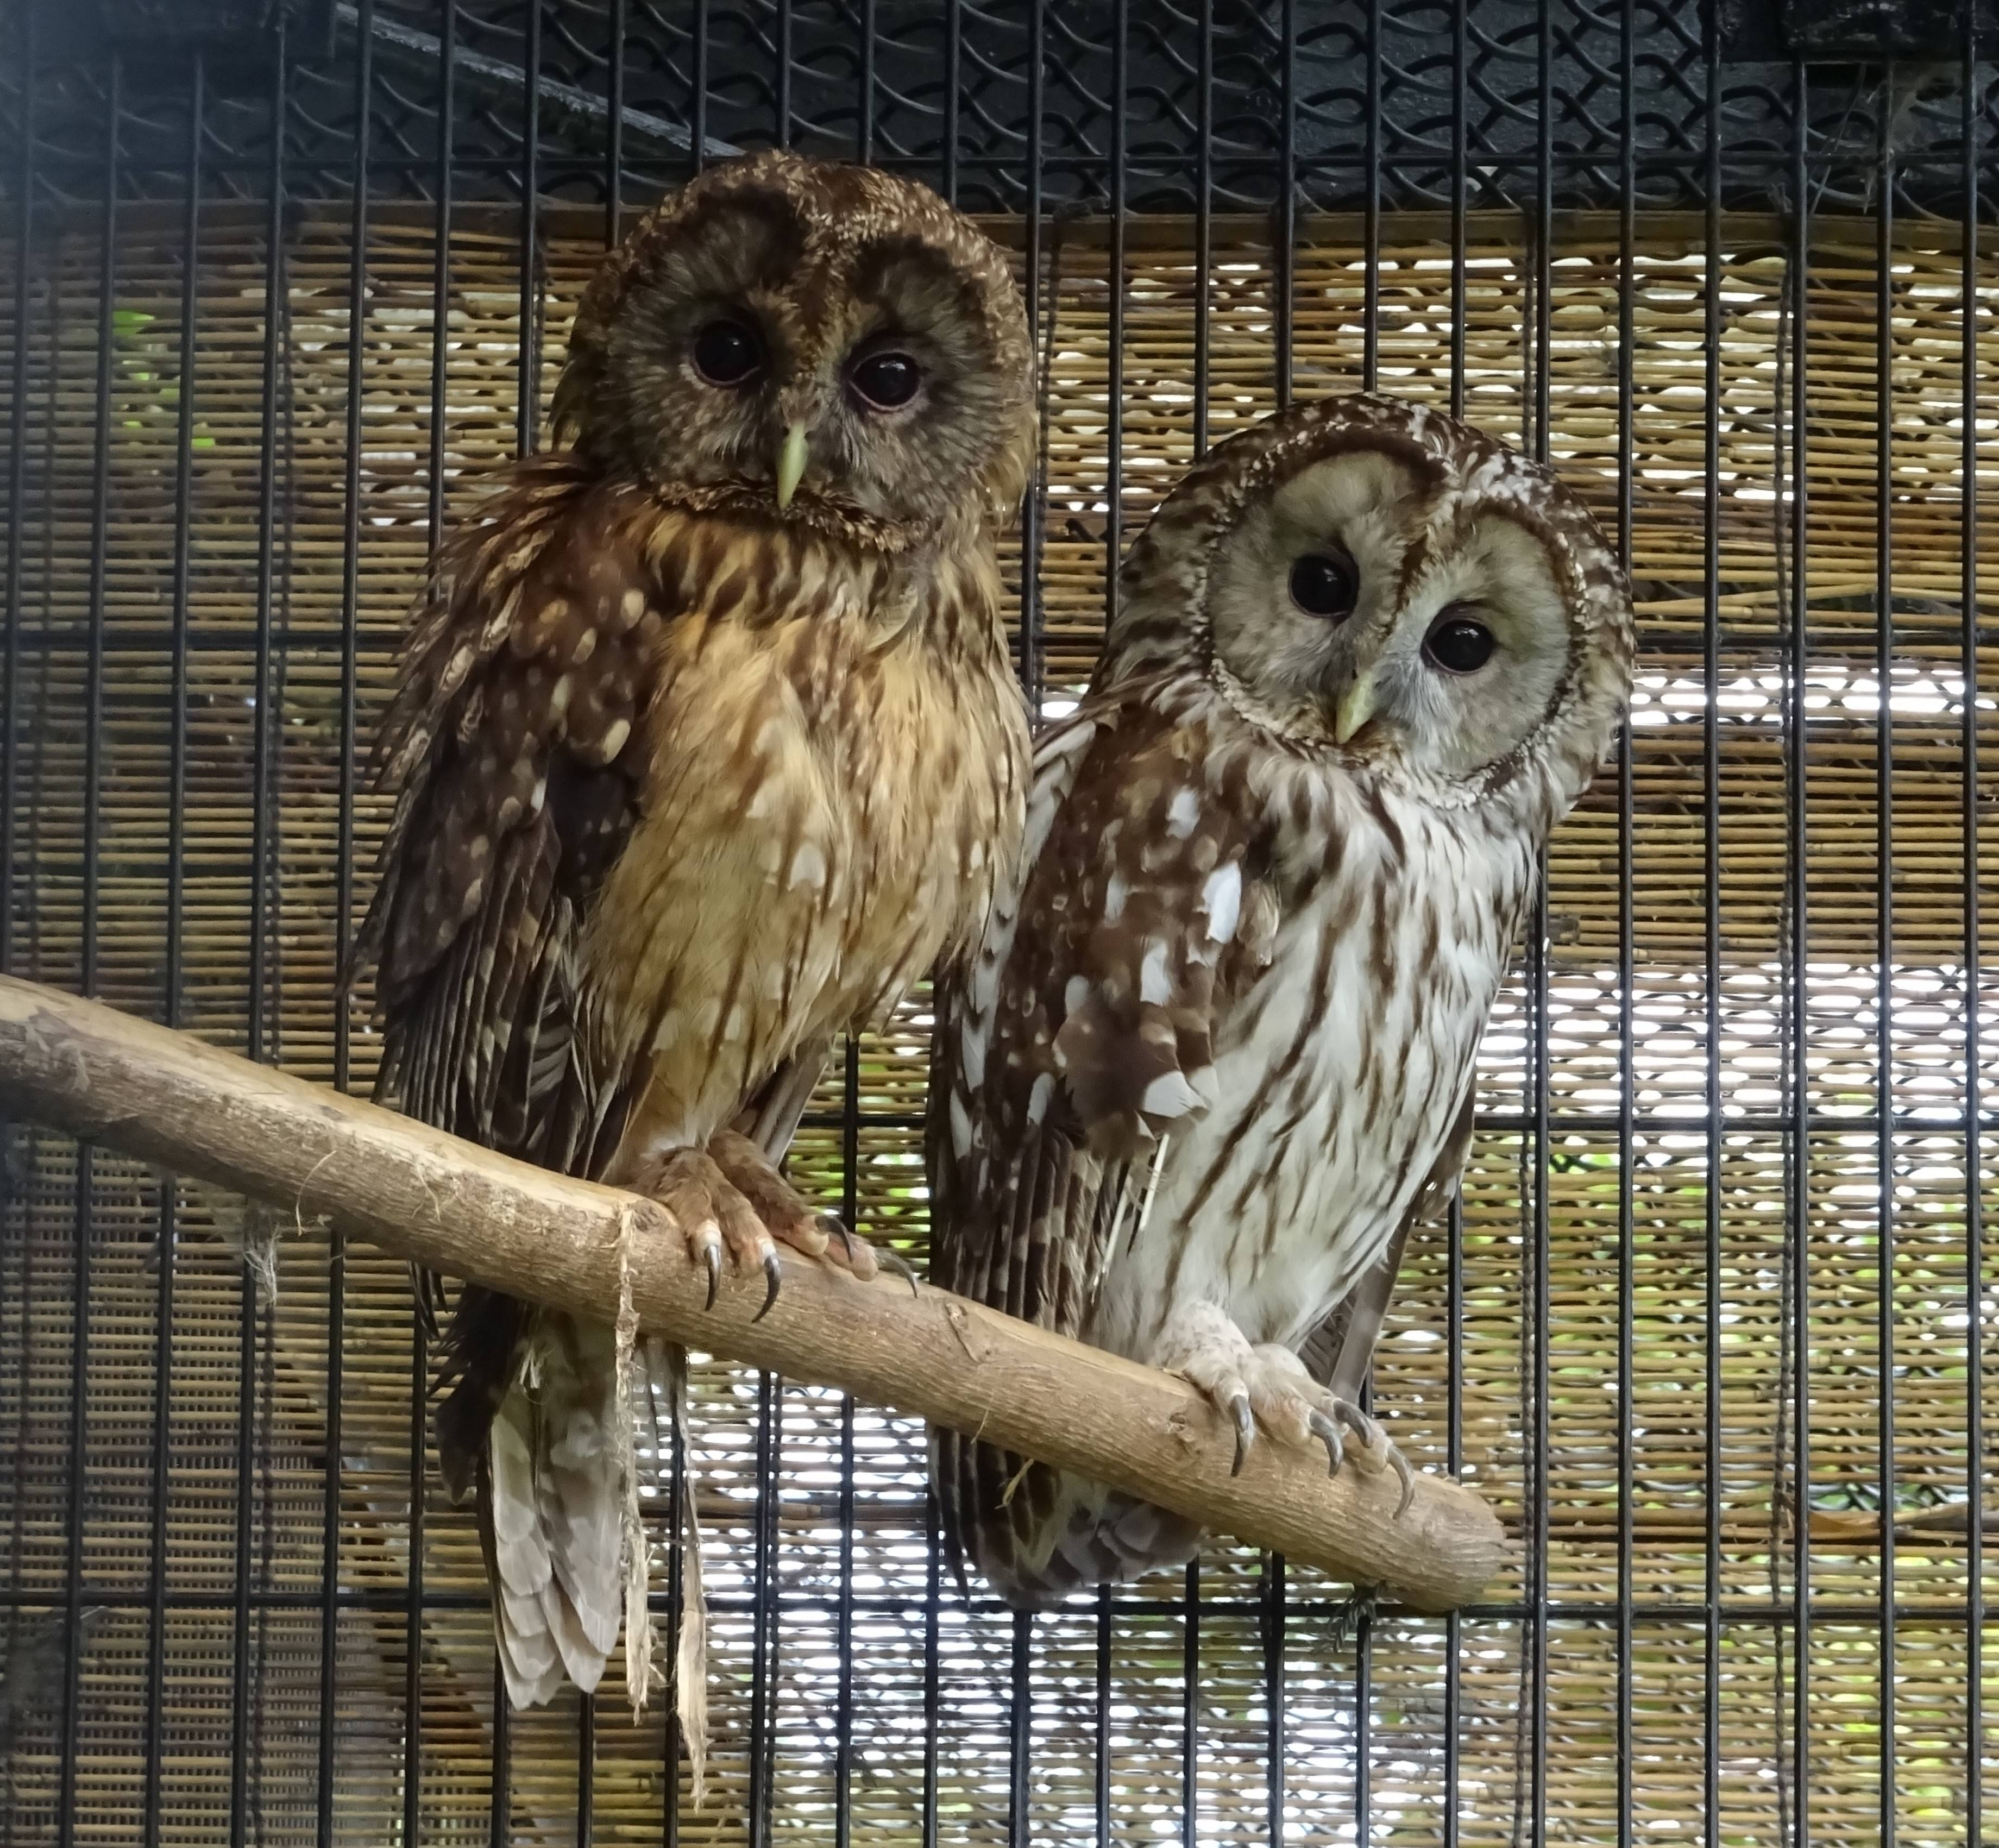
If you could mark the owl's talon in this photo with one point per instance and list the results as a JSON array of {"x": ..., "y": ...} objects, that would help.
[
  {"x": 1400, "y": 1464},
  {"x": 1327, "y": 1431},
  {"x": 835, "y": 1227},
  {"x": 1245, "y": 1429},
  {"x": 711, "y": 1256},
  {"x": 774, "y": 1272},
  {"x": 890, "y": 1259}
]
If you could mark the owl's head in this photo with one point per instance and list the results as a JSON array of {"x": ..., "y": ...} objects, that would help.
[
  {"x": 810, "y": 341},
  {"x": 1372, "y": 578}
]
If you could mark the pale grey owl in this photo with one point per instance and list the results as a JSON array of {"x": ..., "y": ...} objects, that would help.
[{"x": 1214, "y": 1054}]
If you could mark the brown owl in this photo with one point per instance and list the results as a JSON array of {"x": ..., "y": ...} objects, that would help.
[
  {"x": 1214, "y": 1053},
  {"x": 706, "y": 746}
]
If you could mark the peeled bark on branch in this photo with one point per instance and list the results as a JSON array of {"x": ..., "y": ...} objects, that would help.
[{"x": 171, "y": 1099}]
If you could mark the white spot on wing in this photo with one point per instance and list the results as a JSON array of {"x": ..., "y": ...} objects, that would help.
[
  {"x": 1184, "y": 812},
  {"x": 1170, "y": 1095},
  {"x": 1039, "y": 1097},
  {"x": 961, "y": 1127},
  {"x": 972, "y": 1055},
  {"x": 1153, "y": 986},
  {"x": 1221, "y": 898}
]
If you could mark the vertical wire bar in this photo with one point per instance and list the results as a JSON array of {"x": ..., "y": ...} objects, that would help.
[
  {"x": 1203, "y": 225},
  {"x": 586, "y": 1795},
  {"x": 932, "y": 1690},
  {"x": 1034, "y": 514},
  {"x": 1286, "y": 228},
  {"x": 1272, "y": 1614},
  {"x": 1461, "y": 156},
  {"x": 1114, "y": 526},
  {"x": 526, "y": 435},
  {"x": 614, "y": 146},
  {"x": 1711, "y": 940},
  {"x": 698, "y": 103},
  {"x": 1103, "y": 1610},
  {"x": 267, "y": 743},
  {"x": 1370, "y": 304},
  {"x": 1884, "y": 892},
  {"x": 1020, "y": 1726},
  {"x": 1453, "y": 1630},
  {"x": 1542, "y": 1307},
  {"x": 1974, "y": 1204},
  {"x": 151, "y": 1809},
  {"x": 100, "y": 522},
  {"x": 953, "y": 56},
  {"x": 864, "y": 126},
  {"x": 17, "y": 475},
  {"x": 850, "y": 1209},
  {"x": 1797, "y": 756},
  {"x": 440, "y": 430},
  {"x": 528, "y": 416},
  {"x": 1113, "y": 546},
  {"x": 1190, "y": 1709},
  {"x": 1627, "y": 926},
  {"x": 1453, "y": 1625},
  {"x": 1204, "y": 232},
  {"x": 350, "y": 615},
  {"x": 678, "y": 1539},
  {"x": 1370, "y": 316},
  {"x": 770, "y": 1388},
  {"x": 1282, "y": 284},
  {"x": 763, "y": 1652},
  {"x": 783, "y": 73}
]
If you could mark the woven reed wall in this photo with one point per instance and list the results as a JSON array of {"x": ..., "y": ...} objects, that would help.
[{"x": 245, "y": 1479}]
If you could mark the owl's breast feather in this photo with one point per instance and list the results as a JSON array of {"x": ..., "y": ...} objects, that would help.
[
  {"x": 1338, "y": 1077},
  {"x": 822, "y": 805}
]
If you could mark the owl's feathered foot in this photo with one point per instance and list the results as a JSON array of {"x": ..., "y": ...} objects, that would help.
[
  {"x": 1268, "y": 1386},
  {"x": 714, "y": 1216},
  {"x": 730, "y": 1199}
]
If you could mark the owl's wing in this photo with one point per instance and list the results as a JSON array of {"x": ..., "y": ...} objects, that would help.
[
  {"x": 507, "y": 748},
  {"x": 1340, "y": 1351},
  {"x": 1080, "y": 1036}
]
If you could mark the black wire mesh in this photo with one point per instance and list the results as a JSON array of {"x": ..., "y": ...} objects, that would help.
[{"x": 1092, "y": 125}]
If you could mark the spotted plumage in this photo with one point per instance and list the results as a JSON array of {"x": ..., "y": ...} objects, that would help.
[
  {"x": 706, "y": 747},
  {"x": 1214, "y": 1054}
]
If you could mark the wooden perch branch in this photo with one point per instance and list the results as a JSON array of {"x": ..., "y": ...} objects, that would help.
[{"x": 171, "y": 1099}]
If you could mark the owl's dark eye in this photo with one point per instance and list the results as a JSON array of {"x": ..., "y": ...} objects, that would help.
[
  {"x": 1325, "y": 584},
  {"x": 885, "y": 381},
  {"x": 726, "y": 352},
  {"x": 1459, "y": 644}
]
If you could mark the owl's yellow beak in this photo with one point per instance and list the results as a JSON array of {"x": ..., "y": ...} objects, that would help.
[
  {"x": 791, "y": 463},
  {"x": 1356, "y": 707}
]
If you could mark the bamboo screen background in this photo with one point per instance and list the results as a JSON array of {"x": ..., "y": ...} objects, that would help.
[{"x": 236, "y": 1607}]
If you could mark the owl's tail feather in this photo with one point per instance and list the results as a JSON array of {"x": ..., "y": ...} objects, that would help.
[
  {"x": 552, "y": 1496},
  {"x": 1040, "y": 1535}
]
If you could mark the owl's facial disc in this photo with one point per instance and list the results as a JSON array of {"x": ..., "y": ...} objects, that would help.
[{"x": 1363, "y": 605}]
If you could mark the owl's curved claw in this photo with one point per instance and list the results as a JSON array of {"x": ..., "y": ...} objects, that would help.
[
  {"x": 1245, "y": 1430},
  {"x": 835, "y": 1227},
  {"x": 710, "y": 1256},
  {"x": 1400, "y": 1464},
  {"x": 1327, "y": 1431},
  {"x": 890, "y": 1259},
  {"x": 774, "y": 1272}
]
